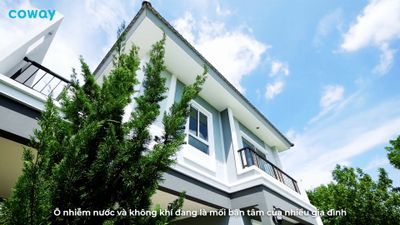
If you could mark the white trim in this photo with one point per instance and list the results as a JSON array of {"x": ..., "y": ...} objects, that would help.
[
  {"x": 224, "y": 163},
  {"x": 251, "y": 140},
  {"x": 277, "y": 159},
  {"x": 22, "y": 93},
  {"x": 196, "y": 159},
  {"x": 210, "y": 128},
  {"x": 201, "y": 175},
  {"x": 221, "y": 133},
  {"x": 272, "y": 183},
  {"x": 235, "y": 143},
  {"x": 171, "y": 92}
]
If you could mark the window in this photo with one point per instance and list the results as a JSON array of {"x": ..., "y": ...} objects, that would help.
[
  {"x": 258, "y": 149},
  {"x": 249, "y": 156},
  {"x": 198, "y": 130},
  {"x": 247, "y": 144}
]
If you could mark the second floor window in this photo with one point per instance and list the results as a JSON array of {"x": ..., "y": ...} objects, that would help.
[{"x": 198, "y": 130}]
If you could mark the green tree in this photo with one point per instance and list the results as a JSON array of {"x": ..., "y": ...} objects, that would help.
[
  {"x": 88, "y": 158},
  {"x": 364, "y": 200},
  {"x": 394, "y": 152}
]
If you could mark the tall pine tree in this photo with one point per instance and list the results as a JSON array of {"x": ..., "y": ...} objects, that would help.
[{"x": 88, "y": 158}]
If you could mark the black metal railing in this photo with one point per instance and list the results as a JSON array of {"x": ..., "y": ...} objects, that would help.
[
  {"x": 250, "y": 157},
  {"x": 40, "y": 79}
]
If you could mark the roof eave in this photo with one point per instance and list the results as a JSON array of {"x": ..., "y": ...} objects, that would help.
[{"x": 147, "y": 7}]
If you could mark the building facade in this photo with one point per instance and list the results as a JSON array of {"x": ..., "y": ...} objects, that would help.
[{"x": 231, "y": 159}]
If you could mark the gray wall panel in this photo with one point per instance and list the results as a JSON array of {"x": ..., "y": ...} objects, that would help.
[{"x": 196, "y": 189}]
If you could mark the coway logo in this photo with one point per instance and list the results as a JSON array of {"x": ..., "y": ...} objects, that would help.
[{"x": 32, "y": 14}]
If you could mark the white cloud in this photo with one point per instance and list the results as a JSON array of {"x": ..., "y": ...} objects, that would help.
[
  {"x": 235, "y": 53},
  {"x": 328, "y": 24},
  {"x": 222, "y": 12},
  {"x": 279, "y": 67},
  {"x": 378, "y": 25},
  {"x": 108, "y": 15},
  {"x": 385, "y": 59},
  {"x": 331, "y": 101},
  {"x": 331, "y": 95},
  {"x": 291, "y": 134},
  {"x": 96, "y": 35},
  {"x": 328, "y": 142},
  {"x": 279, "y": 71},
  {"x": 274, "y": 89},
  {"x": 185, "y": 26},
  {"x": 337, "y": 106},
  {"x": 377, "y": 163}
]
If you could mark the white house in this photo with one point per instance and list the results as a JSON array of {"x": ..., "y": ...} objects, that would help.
[{"x": 231, "y": 159}]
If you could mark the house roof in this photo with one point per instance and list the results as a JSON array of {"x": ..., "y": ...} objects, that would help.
[{"x": 147, "y": 6}]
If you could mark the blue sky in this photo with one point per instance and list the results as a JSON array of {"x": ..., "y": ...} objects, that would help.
[{"x": 326, "y": 73}]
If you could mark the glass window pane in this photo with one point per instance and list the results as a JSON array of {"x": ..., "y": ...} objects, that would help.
[
  {"x": 261, "y": 153},
  {"x": 249, "y": 157},
  {"x": 193, "y": 121},
  {"x": 203, "y": 128},
  {"x": 247, "y": 144},
  {"x": 198, "y": 144}
]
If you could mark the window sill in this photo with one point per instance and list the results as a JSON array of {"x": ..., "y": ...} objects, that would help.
[{"x": 198, "y": 159}]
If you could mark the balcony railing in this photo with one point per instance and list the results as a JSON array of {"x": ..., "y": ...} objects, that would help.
[
  {"x": 40, "y": 79},
  {"x": 249, "y": 157}
]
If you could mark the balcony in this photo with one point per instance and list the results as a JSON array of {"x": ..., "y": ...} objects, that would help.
[
  {"x": 249, "y": 157},
  {"x": 40, "y": 79}
]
